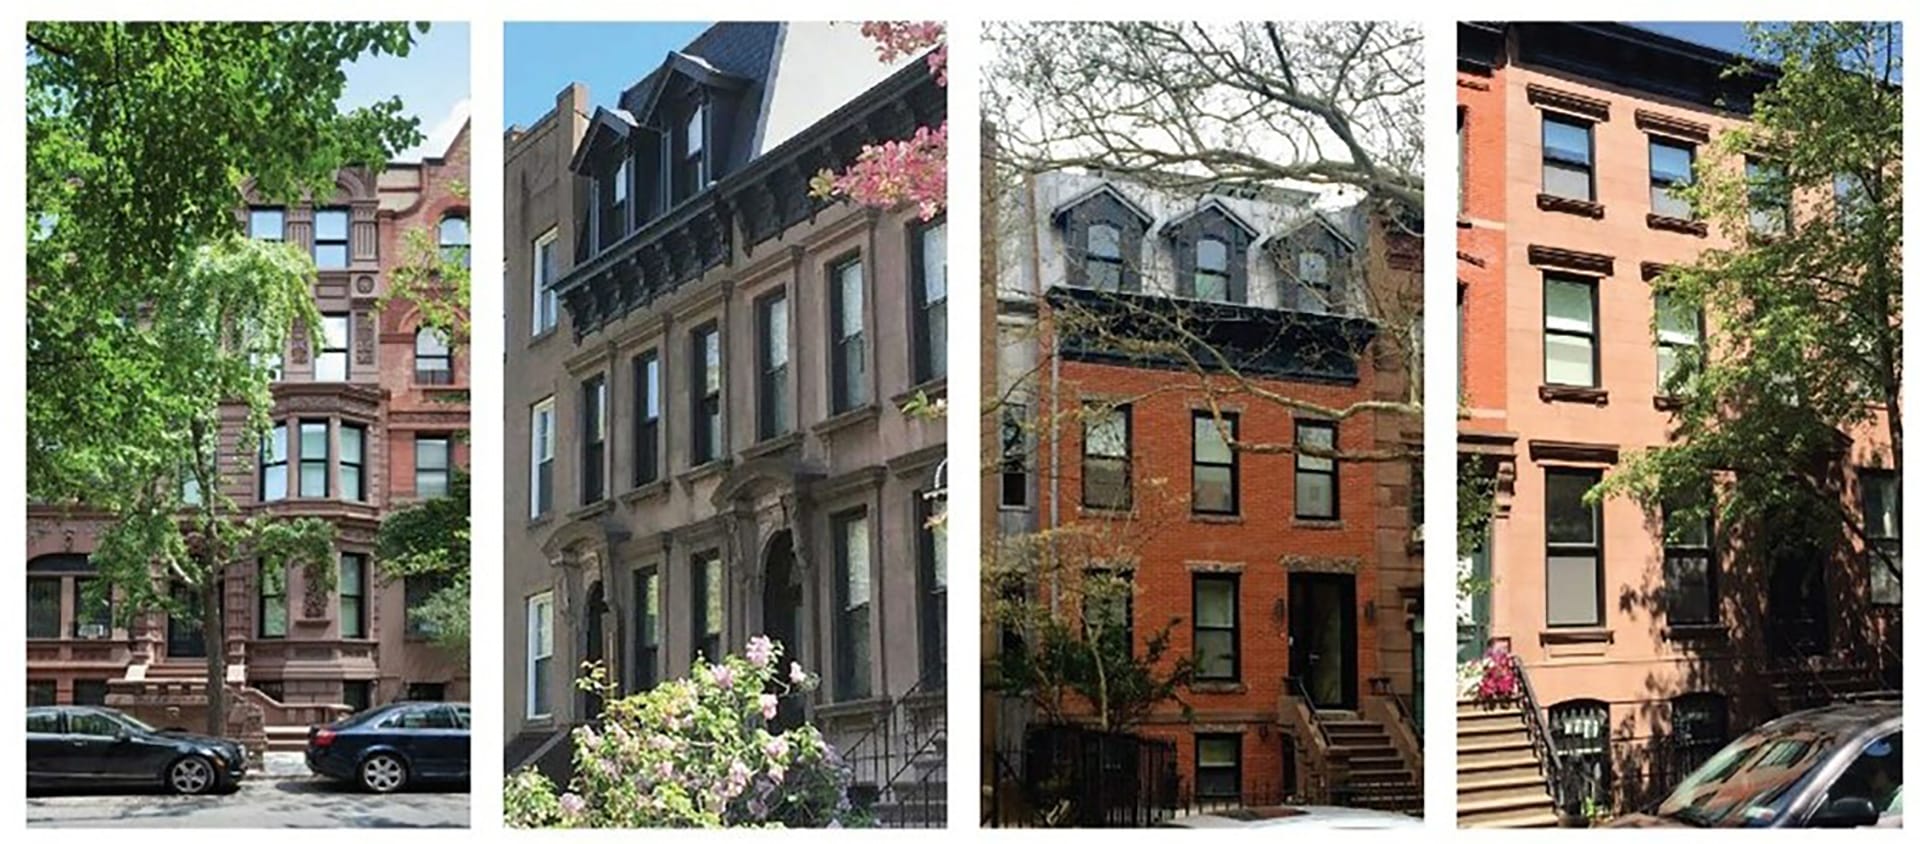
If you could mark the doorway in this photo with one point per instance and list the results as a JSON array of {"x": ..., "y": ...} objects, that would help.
[
  {"x": 781, "y": 600},
  {"x": 187, "y": 625},
  {"x": 595, "y": 647},
  {"x": 1797, "y": 600},
  {"x": 1323, "y": 643}
]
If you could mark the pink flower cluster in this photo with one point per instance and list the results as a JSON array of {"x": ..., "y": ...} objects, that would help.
[
  {"x": 893, "y": 39},
  {"x": 911, "y": 171},
  {"x": 1499, "y": 679}
]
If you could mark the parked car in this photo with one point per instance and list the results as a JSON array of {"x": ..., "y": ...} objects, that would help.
[
  {"x": 1305, "y": 818},
  {"x": 1837, "y": 766},
  {"x": 389, "y": 747},
  {"x": 97, "y": 746}
]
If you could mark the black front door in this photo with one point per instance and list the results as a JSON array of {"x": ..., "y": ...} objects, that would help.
[
  {"x": 595, "y": 647},
  {"x": 1797, "y": 600},
  {"x": 186, "y": 628},
  {"x": 1324, "y": 648},
  {"x": 780, "y": 601}
]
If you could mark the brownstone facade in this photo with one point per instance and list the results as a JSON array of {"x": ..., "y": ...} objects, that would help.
[{"x": 353, "y": 408}]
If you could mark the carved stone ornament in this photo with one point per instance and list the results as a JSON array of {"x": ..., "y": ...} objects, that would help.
[
  {"x": 363, "y": 341},
  {"x": 1330, "y": 565},
  {"x": 363, "y": 285},
  {"x": 297, "y": 344},
  {"x": 315, "y": 604}
]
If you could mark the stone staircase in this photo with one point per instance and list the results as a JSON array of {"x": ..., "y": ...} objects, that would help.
[
  {"x": 1377, "y": 776},
  {"x": 1500, "y": 780}
]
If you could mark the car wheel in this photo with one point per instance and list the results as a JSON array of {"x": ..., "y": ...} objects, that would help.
[
  {"x": 382, "y": 773},
  {"x": 191, "y": 775}
]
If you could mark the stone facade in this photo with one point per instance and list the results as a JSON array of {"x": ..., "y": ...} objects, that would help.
[
  {"x": 320, "y": 661},
  {"x": 671, "y": 496}
]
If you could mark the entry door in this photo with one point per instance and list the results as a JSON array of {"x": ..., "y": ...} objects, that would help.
[
  {"x": 1797, "y": 601},
  {"x": 186, "y": 631},
  {"x": 1324, "y": 646},
  {"x": 596, "y": 647}
]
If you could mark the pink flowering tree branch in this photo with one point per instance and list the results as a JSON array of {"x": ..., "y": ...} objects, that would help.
[{"x": 912, "y": 171}]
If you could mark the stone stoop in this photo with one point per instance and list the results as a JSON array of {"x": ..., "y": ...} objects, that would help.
[{"x": 1500, "y": 783}]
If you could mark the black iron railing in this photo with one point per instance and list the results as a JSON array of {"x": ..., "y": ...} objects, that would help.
[{"x": 899, "y": 763}]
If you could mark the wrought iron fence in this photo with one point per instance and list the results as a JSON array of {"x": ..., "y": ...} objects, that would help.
[{"x": 1065, "y": 776}]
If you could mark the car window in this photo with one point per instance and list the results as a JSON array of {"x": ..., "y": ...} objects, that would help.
[
  {"x": 462, "y": 717},
  {"x": 1748, "y": 782},
  {"x": 43, "y": 722},
  {"x": 91, "y": 724},
  {"x": 420, "y": 718},
  {"x": 1874, "y": 775}
]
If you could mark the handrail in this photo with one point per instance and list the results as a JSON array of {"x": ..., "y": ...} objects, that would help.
[
  {"x": 1299, "y": 689},
  {"x": 1324, "y": 742},
  {"x": 1541, "y": 736}
]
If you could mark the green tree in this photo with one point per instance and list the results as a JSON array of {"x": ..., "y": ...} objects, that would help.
[
  {"x": 147, "y": 313},
  {"x": 1803, "y": 312}
]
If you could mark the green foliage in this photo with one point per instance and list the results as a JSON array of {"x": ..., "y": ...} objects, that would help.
[
  {"x": 1803, "y": 341},
  {"x": 433, "y": 540},
  {"x": 694, "y": 752},
  {"x": 1474, "y": 507}
]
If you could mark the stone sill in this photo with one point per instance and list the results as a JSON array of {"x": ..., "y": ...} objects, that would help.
[
  {"x": 1217, "y": 518},
  {"x": 1581, "y": 395},
  {"x": 851, "y": 708},
  {"x": 1578, "y": 207},
  {"x": 1695, "y": 632},
  {"x": 771, "y": 445},
  {"x": 1319, "y": 524},
  {"x": 935, "y": 389},
  {"x": 650, "y": 489},
  {"x": 705, "y": 470},
  {"x": 1669, "y": 403},
  {"x": 1217, "y": 687},
  {"x": 1576, "y": 636},
  {"x": 846, "y": 418},
  {"x": 1681, "y": 225},
  {"x": 587, "y": 511}
]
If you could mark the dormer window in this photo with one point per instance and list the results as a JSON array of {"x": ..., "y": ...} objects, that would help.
[
  {"x": 1104, "y": 265},
  {"x": 620, "y": 175},
  {"x": 1315, "y": 261},
  {"x": 690, "y": 172},
  {"x": 1210, "y": 279},
  {"x": 1102, "y": 230},
  {"x": 611, "y": 224}
]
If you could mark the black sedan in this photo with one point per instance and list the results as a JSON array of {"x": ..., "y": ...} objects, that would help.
[
  {"x": 385, "y": 748},
  {"x": 1837, "y": 766},
  {"x": 97, "y": 746}
]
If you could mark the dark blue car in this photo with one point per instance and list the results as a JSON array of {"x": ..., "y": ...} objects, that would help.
[{"x": 386, "y": 748}]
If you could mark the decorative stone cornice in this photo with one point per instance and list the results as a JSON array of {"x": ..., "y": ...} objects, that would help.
[
  {"x": 1215, "y": 567},
  {"x": 1662, "y": 124},
  {"x": 1331, "y": 565},
  {"x": 1573, "y": 452},
  {"x": 1592, "y": 108},
  {"x": 1592, "y": 263}
]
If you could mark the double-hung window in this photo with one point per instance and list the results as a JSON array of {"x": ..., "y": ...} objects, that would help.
[
  {"x": 1106, "y": 475},
  {"x": 1107, "y": 609},
  {"x": 1768, "y": 206},
  {"x": 709, "y": 601},
  {"x": 930, "y": 513},
  {"x": 330, "y": 227},
  {"x": 432, "y": 466},
  {"x": 313, "y": 458},
  {"x": 646, "y": 418},
  {"x": 540, "y": 480},
  {"x": 1572, "y": 331},
  {"x": 849, "y": 336},
  {"x": 1216, "y": 466},
  {"x": 273, "y": 598},
  {"x": 546, "y": 305},
  {"x": 353, "y": 596},
  {"x": 1216, "y": 766},
  {"x": 1692, "y": 576},
  {"x": 1566, "y": 157},
  {"x": 273, "y": 464},
  {"x": 1677, "y": 338},
  {"x": 706, "y": 394},
  {"x": 540, "y": 655},
  {"x": 646, "y": 629},
  {"x": 1575, "y": 569},
  {"x": 593, "y": 439},
  {"x": 853, "y": 581},
  {"x": 454, "y": 241},
  {"x": 335, "y": 338},
  {"x": 1013, "y": 455},
  {"x": 930, "y": 302},
  {"x": 1316, "y": 476},
  {"x": 267, "y": 223},
  {"x": 1216, "y": 626},
  {"x": 1881, "y": 494},
  {"x": 1211, "y": 281},
  {"x": 690, "y": 177},
  {"x": 1316, "y": 282},
  {"x": 432, "y": 360},
  {"x": 771, "y": 316},
  {"x": 1670, "y": 164},
  {"x": 353, "y": 462},
  {"x": 1105, "y": 267}
]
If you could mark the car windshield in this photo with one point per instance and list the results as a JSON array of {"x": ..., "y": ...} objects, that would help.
[
  {"x": 1749, "y": 782},
  {"x": 130, "y": 721}
]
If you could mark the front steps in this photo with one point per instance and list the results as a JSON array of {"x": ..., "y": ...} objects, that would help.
[{"x": 1500, "y": 782}]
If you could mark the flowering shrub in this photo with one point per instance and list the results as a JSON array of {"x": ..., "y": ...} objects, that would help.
[
  {"x": 1499, "y": 678},
  {"x": 911, "y": 171},
  {"x": 694, "y": 752}
]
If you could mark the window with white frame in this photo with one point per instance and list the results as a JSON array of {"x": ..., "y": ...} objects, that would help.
[
  {"x": 335, "y": 337},
  {"x": 540, "y": 472},
  {"x": 546, "y": 306},
  {"x": 539, "y": 655}
]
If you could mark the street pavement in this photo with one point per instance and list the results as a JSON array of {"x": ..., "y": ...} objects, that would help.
[{"x": 269, "y": 801}]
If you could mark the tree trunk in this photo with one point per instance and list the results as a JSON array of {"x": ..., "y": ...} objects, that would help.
[{"x": 213, "y": 624}]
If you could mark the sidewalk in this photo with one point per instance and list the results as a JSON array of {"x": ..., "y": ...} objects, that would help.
[{"x": 283, "y": 765}]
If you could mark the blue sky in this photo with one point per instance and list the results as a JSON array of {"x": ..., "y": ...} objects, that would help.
[
  {"x": 542, "y": 58},
  {"x": 432, "y": 82}
]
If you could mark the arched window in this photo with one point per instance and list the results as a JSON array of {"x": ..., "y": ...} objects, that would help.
[
  {"x": 1582, "y": 738},
  {"x": 1210, "y": 279},
  {"x": 1104, "y": 268},
  {"x": 432, "y": 360},
  {"x": 454, "y": 240}
]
